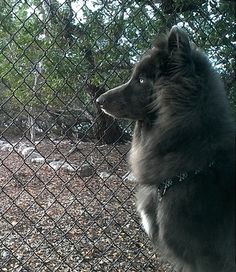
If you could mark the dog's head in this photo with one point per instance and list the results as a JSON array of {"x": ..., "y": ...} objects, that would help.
[{"x": 133, "y": 99}]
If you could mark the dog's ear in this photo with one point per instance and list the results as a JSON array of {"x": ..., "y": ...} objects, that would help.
[
  {"x": 179, "y": 52},
  {"x": 178, "y": 41}
]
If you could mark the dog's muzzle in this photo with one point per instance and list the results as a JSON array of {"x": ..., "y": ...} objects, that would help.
[{"x": 100, "y": 100}]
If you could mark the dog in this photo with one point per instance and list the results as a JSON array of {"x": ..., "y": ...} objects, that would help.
[{"x": 182, "y": 153}]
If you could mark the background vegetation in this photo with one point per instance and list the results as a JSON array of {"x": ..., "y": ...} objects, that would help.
[{"x": 57, "y": 56}]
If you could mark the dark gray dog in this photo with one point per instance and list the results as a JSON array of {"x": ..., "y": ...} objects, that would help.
[{"x": 182, "y": 154}]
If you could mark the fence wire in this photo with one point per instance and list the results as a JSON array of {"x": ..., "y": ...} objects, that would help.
[{"x": 66, "y": 194}]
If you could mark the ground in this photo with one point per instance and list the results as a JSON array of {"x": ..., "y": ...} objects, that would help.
[{"x": 56, "y": 220}]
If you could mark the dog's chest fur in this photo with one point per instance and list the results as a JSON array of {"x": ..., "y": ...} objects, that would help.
[
  {"x": 147, "y": 196},
  {"x": 146, "y": 221}
]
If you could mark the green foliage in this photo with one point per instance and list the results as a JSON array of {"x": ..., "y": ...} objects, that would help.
[{"x": 99, "y": 44}]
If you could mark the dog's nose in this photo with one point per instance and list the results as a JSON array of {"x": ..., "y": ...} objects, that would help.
[{"x": 100, "y": 100}]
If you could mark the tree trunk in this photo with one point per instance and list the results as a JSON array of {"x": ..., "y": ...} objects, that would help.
[
  {"x": 31, "y": 124},
  {"x": 31, "y": 111}
]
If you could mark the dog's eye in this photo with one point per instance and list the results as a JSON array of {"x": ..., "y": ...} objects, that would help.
[{"x": 141, "y": 80}]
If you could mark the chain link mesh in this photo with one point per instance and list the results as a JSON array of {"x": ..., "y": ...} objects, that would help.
[{"x": 67, "y": 197}]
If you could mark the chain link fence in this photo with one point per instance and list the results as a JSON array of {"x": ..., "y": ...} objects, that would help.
[{"x": 66, "y": 194}]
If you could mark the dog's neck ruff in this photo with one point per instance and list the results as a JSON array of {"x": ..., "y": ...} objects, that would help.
[{"x": 167, "y": 183}]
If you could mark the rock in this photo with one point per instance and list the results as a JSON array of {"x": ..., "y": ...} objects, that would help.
[
  {"x": 86, "y": 170},
  {"x": 5, "y": 253},
  {"x": 105, "y": 175},
  {"x": 38, "y": 159},
  {"x": 21, "y": 147},
  {"x": 34, "y": 155},
  {"x": 2, "y": 142},
  {"x": 57, "y": 165},
  {"x": 6, "y": 147},
  {"x": 25, "y": 150}
]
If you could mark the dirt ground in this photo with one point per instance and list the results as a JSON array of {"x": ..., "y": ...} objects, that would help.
[{"x": 56, "y": 220}]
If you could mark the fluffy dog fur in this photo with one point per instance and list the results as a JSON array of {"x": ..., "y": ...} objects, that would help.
[{"x": 183, "y": 125}]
